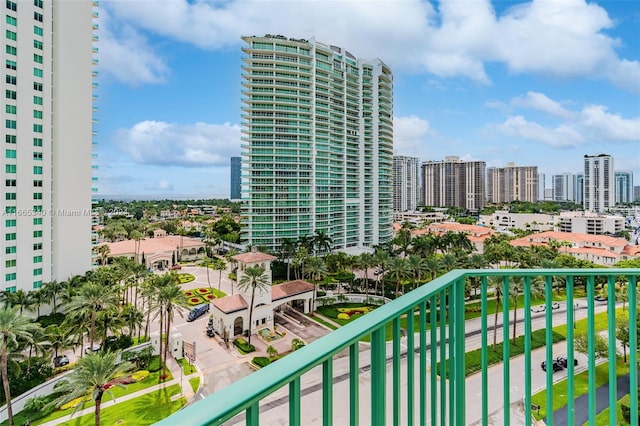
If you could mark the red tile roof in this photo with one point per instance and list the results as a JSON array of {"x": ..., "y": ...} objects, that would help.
[
  {"x": 291, "y": 288},
  {"x": 254, "y": 257},
  {"x": 229, "y": 304},
  {"x": 153, "y": 245}
]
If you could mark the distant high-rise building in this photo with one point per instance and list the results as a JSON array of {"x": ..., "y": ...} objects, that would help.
[
  {"x": 454, "y": 183},
  {"x": 236, "y": 181},
  {"x": 542, "y": 184},
  {"x": 562, "y": 186},
  {"x": 317, "y": 124},
  {"x": 578, "y": 188},
  {"x": 511, "y": 183},
  {"x": 405, "y": 183},
  {"x": 624, "y": 186},
  {"x": 47, "y": 201},
  {"x": 636, "y": 193},
  {"x": 599, "y": 183}
]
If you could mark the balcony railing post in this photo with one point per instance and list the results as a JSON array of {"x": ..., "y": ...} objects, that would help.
[
  {"x": 327, "y": 392},
  {"x": 460, "y": 339},
  {"x": 485, "y": 354},
  {"x": 294, "y": 402},
  {"x": 613, "y": 360},
  {"x": 591, "y": 327},
  {"x": 527, "y": 348},
  {"x": 410, "y": 367},
  {"x": 505, "y": 350},
  {"x": 396, "y": 371},
  {"x": 354, "y": 384},
  {"x": 442, "y": 335},
  {"x": 570, "y": 355},
  {"x": 378, "y": 361},
  {"x": 633, "y": 348},
  {"x": 548, "y": 295}
]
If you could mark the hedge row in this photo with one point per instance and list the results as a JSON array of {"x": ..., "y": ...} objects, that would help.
[{"x": 243, "y": 346}]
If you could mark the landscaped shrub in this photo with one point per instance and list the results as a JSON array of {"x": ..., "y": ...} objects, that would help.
[
  {"x": 47, "y": 320},
  {"x": 114, "y": 343},
  {"x": 154, "y": 364},
  {"x": 185, "y": 278},
  {"x": 344, "y": 276},
  {"x": 203, "y": 290},
  {"x": 343, "y": 316},
  {"x": 27, "y": 374},
  {"x": 261, "y": 361},
  {"x": 140, "y": 375},
  {"x": 243, "y": 346}
]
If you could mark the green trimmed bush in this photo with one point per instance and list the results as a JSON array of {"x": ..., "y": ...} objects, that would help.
[
  {"x": 243, "y": 346},
  {"x": 155, "y": 364},
  {"x": 261, "y": 361}
]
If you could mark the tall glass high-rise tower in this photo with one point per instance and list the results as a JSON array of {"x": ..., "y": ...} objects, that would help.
[
  {"x": 47, "y": 135},
  {"x": 318, "y": 144}
]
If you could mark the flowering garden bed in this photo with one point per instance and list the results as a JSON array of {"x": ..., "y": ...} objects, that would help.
[{"x": 198, "y": 296}]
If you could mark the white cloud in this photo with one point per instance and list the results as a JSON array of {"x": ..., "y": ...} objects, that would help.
[
  {"x": 541, "y": 102},
  {"x": 170, "y": 144},
  {"x": 126, "y": 55},
  {"x": 564, "y": 39},
  {"x": 560, "y": 136},
  {"x": 162, "y": 185},
  {"x": 410, "y": 136},
  {"x": 609, "y": 127}
]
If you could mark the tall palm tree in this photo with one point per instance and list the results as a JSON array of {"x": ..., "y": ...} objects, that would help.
[
  {"x": 137, "y": 237},
  {"x": 516, "y": 288},
  {"x": 53, "y": 289},
  {"x": 366, "y": 261},
  {"x": 58, "y": 337},
  {"x": 496, "y": 283},
  {"x": 134, "y": 318},
  {"x": 432, "y": 266},
  {"x": 219, "y": 265},
  {"x": 172, "y": 300},
  {"x": 382, "y": 259},
  {"x": 316, "y": 270},
  {"x": 321, "y": 242},
  {"x": 287, "y": 250},
  {"x": 422, "y": 246},
  {"x": 38, "y": 298},
  {"x": 398, "y": 269},
  {"x": 417, "y": 267},
  {"x": 103, "y": 251},
  {"x": 13, "y": 327},
  {"x": 91, "y": 298},
  {"x": 448, "y": 262},
  {"x": 254, "y": 277},
  {"x": 94, "y": 375},
  {"x": 20, "y": 299},
  {"x": 206, "y": 261}
]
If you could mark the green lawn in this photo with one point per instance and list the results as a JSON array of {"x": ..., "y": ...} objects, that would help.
[
  {"x": 195, "y": 383},
  {"x": 144, "y": 410},
  {"x": 186, "y": 367},
  {"x": 602, "y": 419},
  {"x": 601, "y": 323},
  {"x": 581, "y": 387},
  {"x": 321, "y": 321}
]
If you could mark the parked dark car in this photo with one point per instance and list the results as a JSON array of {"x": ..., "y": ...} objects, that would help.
[
  {"x": 95, "y": 348},
  {"x": 175, "y": 267},
  {"x": 556, "y": 366},
  {"x": 60, "y": 361},
  {"x": 542, "y": 308},
  {"x": 197, "y": 312},
  {"x": 563, "y": 361}
]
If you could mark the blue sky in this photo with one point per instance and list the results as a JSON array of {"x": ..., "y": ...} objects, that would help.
[{"x": 538, "y": 83}]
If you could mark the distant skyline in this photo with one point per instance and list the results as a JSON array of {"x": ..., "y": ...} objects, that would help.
[{"x": 536, "y": 83}]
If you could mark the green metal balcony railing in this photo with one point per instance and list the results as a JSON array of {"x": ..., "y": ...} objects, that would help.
[{"x": 435, "y": 349}]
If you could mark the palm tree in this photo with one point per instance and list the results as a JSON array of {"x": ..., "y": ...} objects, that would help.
[
  {"x": 94, "y": 375},
  {"x": 58, "y": 337},
  {"x": 20, "y": 298},
  {"x": 432, "y": 266},
  {"x": 172, "y": 300},
  {"x": 321, "y": 242},
  {"x": 134, "y": 318},
  {"x": 403, "y": 241},
  {"x": 382, "y": 259},
  {"x": 206, "y": 262},
  {"x": 103, "y": 251},
  {"x": 13, "y": 327},
  {"x": 398, "y": 268},
  {"x": 253, "y": 277},
  {"x": 422, "y": 246},
  {"x": 91, "y": 298},
  {"x": 417, "y": 266},
  {"x": 287, "y": 249},
  {"x": 365, "y": 261},
  {"x": 476, "y": 261},
  {"x": 53, "y": 289},
  {"x": 316, "y": 270},
  {"x": 219, "y": 265},
  {"x": 516, "y": 288},
  {"x": 136, "y": 236},
  {"x": 448, "y": 262},
  {"x": 38, "y": 298},
  {"x": 496, "y": 284}
]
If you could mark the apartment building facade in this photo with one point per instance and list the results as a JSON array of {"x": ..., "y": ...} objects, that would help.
[
  {"x": 454, "y": 183},
  {"x": 317, "y": 144},
  {"x": 512, "y": 183},
  {"x": 406, "y": 175},
  {"x": 48, "y": 141},
  {"x": 599, "y": 183}
]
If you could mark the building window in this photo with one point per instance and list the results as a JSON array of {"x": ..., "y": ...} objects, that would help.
[
  {"x": 37, "y": 72},
  {"x": 37, "y": 285},
  {"x": 37, "y": 209},
  {"x": 37, "y": 195},
  {"x": 37, "y": 128},
  {"x": 11, "y": 109},
  {"x": 37, "y": 44},
  {"x": 11, "y": 50},
  {"x": 10, "y": 237},
  {"x": 37, "y": 271},
  {"x": 11, "y": 94},
  {"x": 12, "y": 65},
  {"x": 37, "y": 141},
  {"x": 37, "y": 100},
  {"x": 11, "y": 79},
  {"x": 37, "y": 234},
  {"x": 37, "y": 30},
  {"x": 37, "y": 246},
  {"x": 10, "y": 210},
  {"x": 37, "y": 156},
  {"x": 37, "y": 114},
  {"x": 37, "y": 58},
  {"x": 10, "y": 182},
  {"x": 10, "y": 196},
  {"x": 37, "y": 183},
  {"x": 37, "y": 170},
  {"x": 38, "y": 3},
  {"x": 11, "y": 20},
  {"x": 10, "y": 138},
  {"x": 37, "y": 86},
  {"x": 9, "y": 223},
  {"x": 10, "y": 168},
  {"x": 37, "y": 16},
  {"x": 10, "y": 153},
  {"x": 11, "y": 35},
  {"x": 37, "y": 221},
  {"x": 12, "y": 6},
  {"x": 11, "y": 124},
  {"x": 10, "y": 250},
  {"x": 10, "y": 263}
]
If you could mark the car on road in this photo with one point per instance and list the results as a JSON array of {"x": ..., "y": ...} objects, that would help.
[
  {"x": 563, "y": 361},
  {"x": 175, "y": 267},
  {"x": 377, "y": 271},
  {"x": 555, "y": 365},
  {"x": 95, "y": 348},
  {"x": 600, "y": 299},
  {"x": 197, "y": 312},
  {"x": 60, "y": 361},
  {"x": 542, "y": 308}
]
